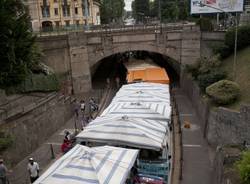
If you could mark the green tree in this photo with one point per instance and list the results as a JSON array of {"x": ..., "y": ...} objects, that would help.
[
  {"x": 243, "y": 167},
  {"x": 140, "y": 9},
  {"x": 18, "y": 52},
  {"x": 112, "y": 11}
]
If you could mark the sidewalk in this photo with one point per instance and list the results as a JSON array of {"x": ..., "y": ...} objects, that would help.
[
  {"x": 197, "y": 155},
  {"x": 44, "y": 154}
]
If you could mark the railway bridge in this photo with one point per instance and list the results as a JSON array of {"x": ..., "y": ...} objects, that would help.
[{"x": 80, "y": 53}]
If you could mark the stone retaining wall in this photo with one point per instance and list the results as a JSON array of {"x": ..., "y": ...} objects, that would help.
[
  {"x": 32, "y": 127},
  {"x": 220, "y": 126}
]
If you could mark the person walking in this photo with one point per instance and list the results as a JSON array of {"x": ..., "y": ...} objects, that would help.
[
  {"x": 76, "y": 108},
  {"x": 33, "y": 169},
  {"x": 3, "y": 172},
  {"x": 82, "y": 106}
]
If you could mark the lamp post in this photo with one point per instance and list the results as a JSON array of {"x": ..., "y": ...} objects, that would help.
[{"x": 235, "y": 38}]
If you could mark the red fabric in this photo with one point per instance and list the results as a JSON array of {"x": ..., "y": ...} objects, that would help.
[{"x": 65, "y": 147}]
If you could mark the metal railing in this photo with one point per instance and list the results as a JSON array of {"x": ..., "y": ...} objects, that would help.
[{"x": 64, "y": 30}]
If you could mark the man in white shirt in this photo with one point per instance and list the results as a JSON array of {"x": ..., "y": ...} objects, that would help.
[{"x": 33, "y": 169}]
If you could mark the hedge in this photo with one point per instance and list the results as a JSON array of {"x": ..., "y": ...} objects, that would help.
[{"x": 223, "y": 92}]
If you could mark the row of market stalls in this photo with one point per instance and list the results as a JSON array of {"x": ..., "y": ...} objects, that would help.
[{"x": 135, "y": 126}]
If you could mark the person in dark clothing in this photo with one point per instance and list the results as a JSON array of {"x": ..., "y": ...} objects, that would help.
[{"x": 3, "y": 172}]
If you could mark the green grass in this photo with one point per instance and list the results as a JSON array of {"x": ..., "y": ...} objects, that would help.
[{"x": 242, "y": 76}]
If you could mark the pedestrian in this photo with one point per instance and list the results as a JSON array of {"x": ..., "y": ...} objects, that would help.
[
  {"x": 66, "y": 146},
  {"x": 82, "y": 106},
  {"x": 76, "y": 108},
  {"x": 84, "y": 122},
  {"x": 33, "y": 169},
  {"x": 3, "y": 172},
  {"x": 67, "y": 135},
  {"x": 93, "y": 105},
  {"x": 117, "y": 80}
]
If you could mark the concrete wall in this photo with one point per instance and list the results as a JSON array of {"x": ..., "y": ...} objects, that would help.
[
  {"x": 2, "y": 97},
  {"x": 56, "y": 53},
  {"x": 209, "y": 40},
  {"x": 32, "y": 127},
  {"x": 221, "y": 126},
  {"x": 229, "y": 127}
]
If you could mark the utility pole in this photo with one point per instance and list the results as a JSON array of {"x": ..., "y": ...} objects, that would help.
[
  {"x": 159, "y": 10},
  {"x": 235, "y": 46}
]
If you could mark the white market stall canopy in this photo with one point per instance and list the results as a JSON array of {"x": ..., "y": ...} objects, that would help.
[
  {"x": 155, "y": 111},
  {"x": 84, "y": 165},
  {"x": 135, "y": 132},
  {"x": 142, "y": 96},
  {"x": 146, "y": 86}
]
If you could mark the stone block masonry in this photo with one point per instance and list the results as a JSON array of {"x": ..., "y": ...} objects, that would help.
[
  {"x": 221, "y": 126},
  {"x": 32, "y": 127}
]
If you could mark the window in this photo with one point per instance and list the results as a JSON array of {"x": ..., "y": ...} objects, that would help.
[
  {"x": 45, "y": 11},
  {"x": 76, "y": 11},
  {"x": 56, "y": 11},
  {"x": 66, "y": 11},
  {"x": 67, "y": 23}
]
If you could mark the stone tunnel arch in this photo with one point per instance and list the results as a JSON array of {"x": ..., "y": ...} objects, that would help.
[
  {"x": 86, "y": 50},
  {"x": 172, "y": 66}
]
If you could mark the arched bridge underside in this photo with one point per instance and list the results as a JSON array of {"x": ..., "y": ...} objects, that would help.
[{"x": 83, "y": 50}]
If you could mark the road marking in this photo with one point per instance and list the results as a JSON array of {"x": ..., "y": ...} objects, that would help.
[
  {"x": 186, "y": 114},
  {"x": 54, "y": 143},
  {"x": 192, "y": 145}
]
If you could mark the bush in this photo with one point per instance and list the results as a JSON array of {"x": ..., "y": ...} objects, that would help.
[
  {"x": 223, "y": 92},
  {"x": 5, "y": 141},
  {"x": 243, "y": 166},
  {"x": 205, "y": 24},
  {"x": 206, "y": 72},
  {"x": 206, "y": 79},
  {"x": 36, "y": 83}
]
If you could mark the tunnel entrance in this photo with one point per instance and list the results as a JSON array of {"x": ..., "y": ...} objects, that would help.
[{"x": 113, "y": 67}]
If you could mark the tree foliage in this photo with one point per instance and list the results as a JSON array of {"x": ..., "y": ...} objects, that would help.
[
  {"x": 111, "y": 11},
  {"x": 18, "y": 52},
  {"x": 243, "y": 41},
  {"x": 140, "y": 9},
  {"x": 171, "y": 10},
  {"x": 243, "y": 167},
  {"x": 206, "y": 72}
]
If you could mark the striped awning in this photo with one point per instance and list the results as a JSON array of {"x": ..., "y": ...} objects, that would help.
[
  {"x": 156, "y": 111},
  {"x": 97, "y": 165},
  {"x": 142, "y": 96},
  {"x": 146, "y": 86},
  {"x": 135, "y": 132}
]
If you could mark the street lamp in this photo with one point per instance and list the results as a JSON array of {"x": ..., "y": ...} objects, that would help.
[{"x": 235, "y": 37}]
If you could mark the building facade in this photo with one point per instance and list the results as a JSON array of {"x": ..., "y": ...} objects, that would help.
[
  {"x": 245, "y": 16},
  {"x": 49, "y": 15}
]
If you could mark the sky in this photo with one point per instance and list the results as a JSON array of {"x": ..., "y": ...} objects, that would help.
[{"x": 128, "y": 5}]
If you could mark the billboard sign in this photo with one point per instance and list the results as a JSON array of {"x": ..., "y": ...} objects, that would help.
[{"x": 216, "y": 6}]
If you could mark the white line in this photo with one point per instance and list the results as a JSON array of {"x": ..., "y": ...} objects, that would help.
[
  {"x": 54, "y": 143},
  {"x": 191, "y": 145},
  {"x": 186, "y": 114}
]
